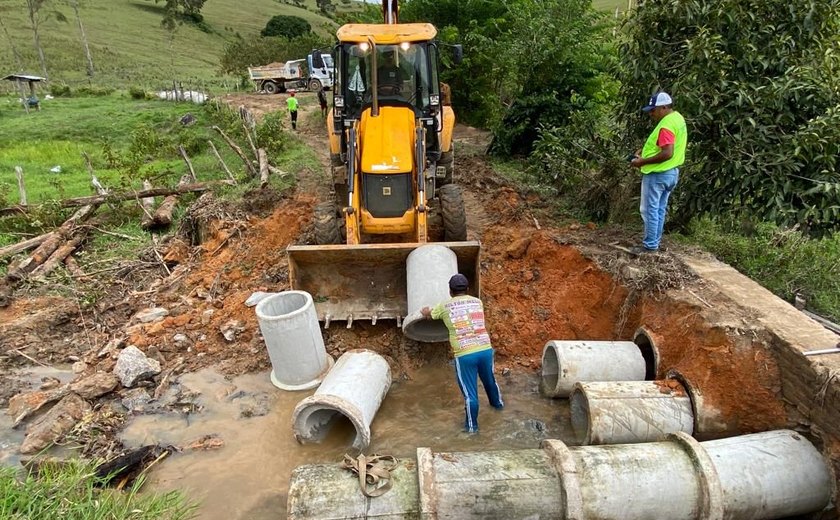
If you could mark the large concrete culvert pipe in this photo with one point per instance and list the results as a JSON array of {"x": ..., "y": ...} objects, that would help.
[
  {"x": 290, "y": 329},
  {"x": 767, "y": 475},
  {"x": 428, "y": 270},
  {"x": 353, "y": 389},
  {"x": 565, "y": 363},
  {"x": 627, "y": 412}
]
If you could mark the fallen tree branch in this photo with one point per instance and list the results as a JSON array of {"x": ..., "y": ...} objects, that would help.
[
  {"x": 163, "y": 216},
  {"x": 187, "y": 160},
  {"x": 120, "y": 197},
  {"x": 147, "y": 204},
  {"x": 60, "y": 254},
  {"x": 221, "y": 161},
  {"x": 248, "y": 166}
]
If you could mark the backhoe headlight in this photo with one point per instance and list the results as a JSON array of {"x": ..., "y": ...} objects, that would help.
[
  {"x": 434, "y": 100},
  {"x": 339, "y": 101}
]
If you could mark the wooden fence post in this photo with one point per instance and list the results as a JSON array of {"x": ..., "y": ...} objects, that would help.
[{"x": 21, "y": 185}]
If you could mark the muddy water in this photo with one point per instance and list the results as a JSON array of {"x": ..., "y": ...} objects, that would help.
[
  {"x": 248, "y": 477},
  {"x": 32, "y": 377}
]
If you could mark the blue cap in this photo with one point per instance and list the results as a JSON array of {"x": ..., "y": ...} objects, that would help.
[{"x": 458, "y": 283}]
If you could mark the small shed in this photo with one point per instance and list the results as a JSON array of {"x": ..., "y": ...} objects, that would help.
[{"x": 31, "y": 100}]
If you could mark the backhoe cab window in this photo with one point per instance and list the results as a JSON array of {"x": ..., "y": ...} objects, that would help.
[{"x": 402, "y": 76}]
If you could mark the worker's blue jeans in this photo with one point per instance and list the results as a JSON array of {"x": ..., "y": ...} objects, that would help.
[
  {"x": 466, "y": 369},
  {"x": 656, "y": 188}
]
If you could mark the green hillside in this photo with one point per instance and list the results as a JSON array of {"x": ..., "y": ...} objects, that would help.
[{"x": 129, "y": 45}]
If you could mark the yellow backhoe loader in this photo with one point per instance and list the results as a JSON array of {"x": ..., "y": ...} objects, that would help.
[{"x": 392, "y": 162}]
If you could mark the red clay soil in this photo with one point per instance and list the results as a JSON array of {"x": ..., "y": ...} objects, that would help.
[{"x": 736, "y": 374}]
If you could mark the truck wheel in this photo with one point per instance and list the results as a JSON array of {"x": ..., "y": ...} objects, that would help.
[
  {"x": 327, "y": 229},
  {"x": 270, "y": 87},
  {"x": 452, "y": 213},
  {"x": 314, "y": 85}
]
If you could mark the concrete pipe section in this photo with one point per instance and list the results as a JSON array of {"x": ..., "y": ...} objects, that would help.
[
  {"x": 290, "y": 329},
  {"x": 760, "y": 476},
  {"x": 428, "y": 270},
  {"x": 565, "y": 363},
  {"x": 353, "y": 389},
  {"x": 630, "y": 411}
]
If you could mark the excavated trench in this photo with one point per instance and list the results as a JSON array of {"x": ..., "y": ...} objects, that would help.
[{"x": 731, "y": 342}]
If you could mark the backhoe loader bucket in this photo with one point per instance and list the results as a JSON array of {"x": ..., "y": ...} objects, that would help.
[{"x": 367, "y": 281}]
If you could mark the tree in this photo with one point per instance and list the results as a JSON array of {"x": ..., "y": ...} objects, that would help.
[
  {"x": 176, "y": 11},
  {"x": 758, "y": 83},
  {"x": 286, "y": 26},
  {"x": 75, "y": 5},
  {"x": 37, "y": 13}
]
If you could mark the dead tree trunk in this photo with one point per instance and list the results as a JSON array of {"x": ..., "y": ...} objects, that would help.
[
  {"x": 75, "y": 4},
  {"x": 34, "y": 6},
  {"x": 74, "y": 268},
  {"x": 60, "y": 254},
  {"x": 25, "y": 245},
  {"x": 249, "y": 167},
  {"x": 22, "y": 269},
  {"x": 263, "y": 167},
  {"x": 163, "y": 216},
  {"x": 147, "y": 204}
]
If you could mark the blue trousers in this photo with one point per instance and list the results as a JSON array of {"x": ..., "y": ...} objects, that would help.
[
  {"x": 466, "y": 369},
  {"x": 656, "y": 188}
]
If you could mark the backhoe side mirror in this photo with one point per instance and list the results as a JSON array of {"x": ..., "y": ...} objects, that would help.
[{"x": 458, "y": 53}]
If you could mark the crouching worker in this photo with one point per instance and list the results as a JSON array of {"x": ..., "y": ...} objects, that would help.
[{"x": 464, "y": 317}]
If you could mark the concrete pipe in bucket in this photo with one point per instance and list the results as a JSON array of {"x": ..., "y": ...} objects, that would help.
[
  {"x": 565, "y": 363},
  {"x": 292, "y": 335},
  {"x": 428, "y": 269},
  {"x": 624, "y": 412},
  {"x": 766, "y": 475},
  {"x": 353, "y": 389}
]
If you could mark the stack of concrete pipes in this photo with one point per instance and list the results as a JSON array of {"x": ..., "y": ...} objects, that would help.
[
  {"x": 355, "y": 387},
  {"x": 614, "y": 398}
]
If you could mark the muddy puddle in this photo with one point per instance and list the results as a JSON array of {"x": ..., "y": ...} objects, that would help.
[{"x": 249, "y": 476}]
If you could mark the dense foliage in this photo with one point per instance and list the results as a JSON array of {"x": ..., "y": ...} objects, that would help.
[
  {"x": 286, "y": 26},
  {"x": 759, "y": 83},
  {"x": 249, "y": 52}
]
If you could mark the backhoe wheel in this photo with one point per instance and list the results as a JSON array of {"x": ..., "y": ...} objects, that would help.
[
  {"x": 452, "y": 213},
  {"x": 327, "y": 228},
  {"x": 447, "y": 160}
]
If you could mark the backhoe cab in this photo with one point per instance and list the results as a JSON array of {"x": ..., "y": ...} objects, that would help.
[{"x": 392, "y": 154}]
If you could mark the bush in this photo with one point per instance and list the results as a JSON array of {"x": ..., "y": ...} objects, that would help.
[
  {"x": 94, "y": 91},
  {"x": 286, "y": 26},
  {"x": 60, "y": 90},
  {"x": 271, "y": 135},
  {"x": 137, "y": 93}
]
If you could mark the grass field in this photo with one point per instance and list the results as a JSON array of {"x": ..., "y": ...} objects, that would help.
[{"x": 128, "y": 44}]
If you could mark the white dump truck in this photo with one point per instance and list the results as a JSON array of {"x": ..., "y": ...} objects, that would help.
[{"x": 311, "y": 73}]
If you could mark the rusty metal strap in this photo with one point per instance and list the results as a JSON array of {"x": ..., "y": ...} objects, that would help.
[{"x": 374, "y": 472}]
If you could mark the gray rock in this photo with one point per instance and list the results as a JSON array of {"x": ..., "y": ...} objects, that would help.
[
  {"x": 232, "y": 329},
  {"x": 133, "y": 366},
  {"x": 79, "y": 367},
  {"x": 136, "y": 399},
  {"x": 179, "y": 339},
  {"x": 151, "y": 314},
  {"x": 54, "y": 424},
  {"x": 23, "y": 405}
]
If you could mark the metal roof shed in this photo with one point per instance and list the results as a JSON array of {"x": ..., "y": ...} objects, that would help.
[{"x": 20, "y": 79}]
